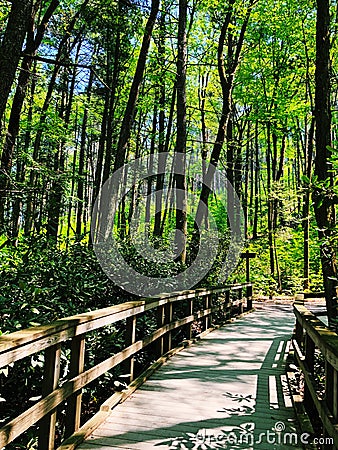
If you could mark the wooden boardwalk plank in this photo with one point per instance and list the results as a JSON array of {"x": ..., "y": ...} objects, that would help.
[{"x": 227, "y": 391}]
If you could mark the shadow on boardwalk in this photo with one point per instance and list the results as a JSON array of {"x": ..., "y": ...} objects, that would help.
[{"x": 227, "y": 391}]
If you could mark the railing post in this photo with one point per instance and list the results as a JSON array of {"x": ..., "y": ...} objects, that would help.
[
  {"x": 189, "y": 312},
  {"x": 73, "y": 412},
  {"x": 335, "y": 396},
  {"x": 210, "y": 306},
  {"x": 249, "y": 297},
  {"x": 310, "y": 362},
  {"x": 329, "y": 386},
  {"x": 247, "y": 266},
  {"x": 231, "y": 306},
  {"x": 206, "y": 304},
  {"x": 50, "y": 381},
  {"x": 160, "y": 323},
  {"x": 331, "y": 401},
  {"x": 129, "y": 340},
  {"x": 240, "y": 306},
  {"x": 299, "y": 333},
  {"x": 168, "y": 317},
  {"x": 227, "y": 306}
]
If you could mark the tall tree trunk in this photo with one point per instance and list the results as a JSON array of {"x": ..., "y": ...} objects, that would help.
[
  {"x": 134, "y": 195},
  {"x": 230, "y": 166},
  {"x": 105, "y": 220},
  {"x": 129, "y": 114},
  {"x": 151, "y": 167},
  {"x": 11, "y": 47},
  {"x": 112, "y": 83},
  {"x": 270, "y": 201},
  {"x": 226, "y": 73},
  {"x": 34, "y": 40},
  {"x": 161, "y": 127},
  {"x": 100, "y": 151},
  {"x": 21, "y": 162},
  {"x": 308, "y": 155},
  {"x": 256, "y": 184},
  {"x": 71, "y": 202},
  {"x": 306, "y": 205},
  {"x": 248, "y": 156},
  {"x": 164, "y": 142},
  {"x": 61, "y": 54},
  {"x": 80, "y": 184},
  {"x": 202, "y": 88},
  {"x": 323, "y": 201},
  {"x": 180, "y": 181},
  {"x": 57, "y": 190}
]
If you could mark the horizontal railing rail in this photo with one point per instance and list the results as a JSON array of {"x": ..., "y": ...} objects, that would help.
[
  {"x": 50, "y": 338},
  {"x": 321, "y": 403}
]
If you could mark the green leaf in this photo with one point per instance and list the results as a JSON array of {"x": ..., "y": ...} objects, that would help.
[{"x": 305, "y": 179}]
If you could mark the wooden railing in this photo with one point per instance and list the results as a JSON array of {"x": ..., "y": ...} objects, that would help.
[
  {"x": 169, "y": 311},
  {"x": 310, "y": 335}
]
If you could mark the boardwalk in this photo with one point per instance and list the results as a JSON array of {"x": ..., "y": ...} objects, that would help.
[{"x": 227, "y": 391}]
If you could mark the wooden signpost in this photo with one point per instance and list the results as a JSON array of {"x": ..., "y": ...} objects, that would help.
[{"x": 247, "y": 256}]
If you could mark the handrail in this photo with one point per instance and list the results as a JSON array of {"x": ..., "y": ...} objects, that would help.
[
  {"x": 311, "y": 333},
  {"x": 24, "y": 343},
  {"x": 20, "y": 344}
]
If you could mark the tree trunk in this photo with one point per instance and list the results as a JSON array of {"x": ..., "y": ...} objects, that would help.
[
  {"x": 104, "y": 222},
  {"x": 270, "y": 201},
  {"x": 33, "y": 177},
  {"x": 248, "y": 156},
  {"x": 80, "y": 184},
  {"x": 202, "y": 88},
  {"x": 226, "y": 73},
  {"x": 129, "y": 114},
  {"x": 323, "y": 199},
  {"x": 306, "y": 205},
  {"x": 180, "y": 181},
  {"x": 150, "y": 169},
  {"x": 11, "y": 47},
  {"x": 21, "y": 162},
  {"x": 57, "y": 190},
  {"x": 34, "y": 40},
  {"x": 256, "y": 184},
  {"x": 100, "y": 151},
  {"x": 163, "y": 148},
  {"x": 112, "y": 83}
]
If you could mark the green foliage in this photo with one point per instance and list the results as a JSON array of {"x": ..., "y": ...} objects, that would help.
[
  {"x": 289, "y": 248},
  {"x": 41, "y": 284}
]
